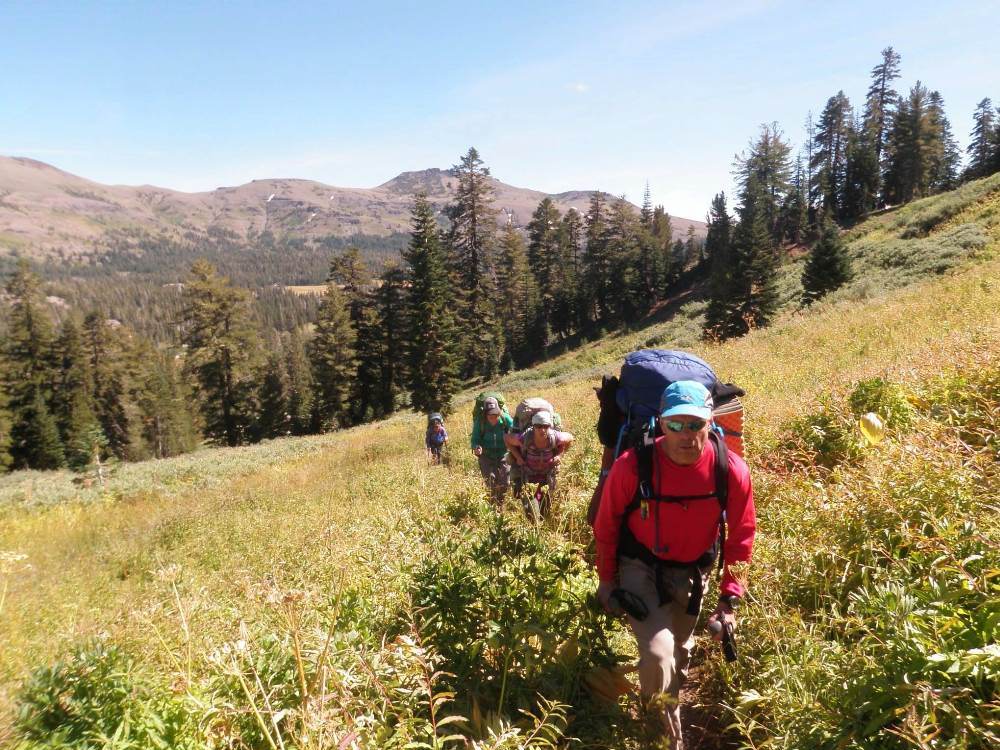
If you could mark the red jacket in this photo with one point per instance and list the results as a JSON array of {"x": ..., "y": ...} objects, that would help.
[{"x": 686, "y": 530}]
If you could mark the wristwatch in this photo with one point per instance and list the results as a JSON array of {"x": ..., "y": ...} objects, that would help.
[{"x": 730, "y": 600}]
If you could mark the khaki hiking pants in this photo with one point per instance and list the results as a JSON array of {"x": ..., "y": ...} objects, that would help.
[
  {"x": 664, "y": 638},
  {"x": 496, "y": 474}
]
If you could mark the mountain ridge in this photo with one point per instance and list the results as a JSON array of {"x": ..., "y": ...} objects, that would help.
[{"x": 47, "y": 213}]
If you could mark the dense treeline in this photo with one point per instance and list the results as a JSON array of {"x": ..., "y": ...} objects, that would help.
[
  {"x": 894, "y": 149},
  {"x": 86, "y": 390},
  {"x": 153, "y": 309},
  {"x": 258, "y": 260}
]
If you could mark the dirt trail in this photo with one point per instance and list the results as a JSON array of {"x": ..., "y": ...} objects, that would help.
[{"x": 701, "y": 715}]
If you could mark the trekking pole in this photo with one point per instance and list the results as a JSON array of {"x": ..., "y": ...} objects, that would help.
[{"x": 728, "y": 639}]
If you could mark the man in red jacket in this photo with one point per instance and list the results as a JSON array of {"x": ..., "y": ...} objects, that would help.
[{"x": 657, "y": 544}]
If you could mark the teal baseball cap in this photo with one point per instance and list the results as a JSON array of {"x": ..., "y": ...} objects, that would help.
[{"x": 686, "y": 397}]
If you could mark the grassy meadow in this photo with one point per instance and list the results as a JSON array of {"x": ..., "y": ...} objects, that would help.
[{"x": 337, "y": 591}]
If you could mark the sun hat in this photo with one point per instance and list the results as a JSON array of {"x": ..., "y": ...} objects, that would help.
[{"x": 687, "y": 397}]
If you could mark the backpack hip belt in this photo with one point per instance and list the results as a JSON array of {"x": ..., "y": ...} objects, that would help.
[{"x": 631, "y": 547}]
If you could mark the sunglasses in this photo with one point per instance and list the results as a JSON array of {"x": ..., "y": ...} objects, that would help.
[{"x": 674, "y": 426}]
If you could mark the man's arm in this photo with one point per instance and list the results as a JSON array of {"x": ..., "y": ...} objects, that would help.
[{"x": 742, "y": 525}]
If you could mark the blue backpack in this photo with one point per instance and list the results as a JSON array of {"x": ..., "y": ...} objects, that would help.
[{"x": 630, "y": 403}]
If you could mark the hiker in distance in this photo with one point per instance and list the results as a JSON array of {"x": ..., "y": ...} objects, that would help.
[
  {"x": 538, "y": 452},
  {"x": 489, "y": 447},
  {"x": 436, "y": 437},
  {"x": 657, "y": 540}
]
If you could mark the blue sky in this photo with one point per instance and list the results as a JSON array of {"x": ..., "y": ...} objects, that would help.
[{"x": 555, "y": 95}]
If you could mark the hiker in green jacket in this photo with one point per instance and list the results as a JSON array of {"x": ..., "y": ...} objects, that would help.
[{"x": 488, "y": 445}]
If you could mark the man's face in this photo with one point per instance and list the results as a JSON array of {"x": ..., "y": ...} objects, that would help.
[
  {"x": 684, "y": 447},
  {"x": 493, "y": 418},
  {"x": 540, "y": 433}
]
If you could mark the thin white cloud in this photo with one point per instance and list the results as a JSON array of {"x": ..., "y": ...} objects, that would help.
[{"x": 579, "y": 87}]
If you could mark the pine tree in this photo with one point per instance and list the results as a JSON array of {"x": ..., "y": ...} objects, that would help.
[
  {"x": 221, "y": 351},
  {"x": 768, "y": 163},
  {"x": 829, "y": 159},
  {"x": 795, "y": 210},
  {"x": 165, "y": 415},
  {"x": 984, "y": 141},
  {"x": 828, "y": 267},
  {"x": 27, "y": 372},
  {"x": 300, "y": 384},
  {"x": 273, "y": 420},
  {"x": 663, "y": 235},
  {"x": 718, "y": 256},
  {"x": 73, "y": 384},
  {"x": 518, "y": 296},
  {"x": 109, "y": 389},
  {"x": 567, "y": 316},
  {"x": 35, "y": 441},
  {"x": 878, "y": 108},
  {"x": 369, "y": 344},
  {"x": 627, "y": 299},
  {"x": 431, "y": 337},
  {"x": 751, "y": 298},
  {"x": 596, "y": 293},
  {"x": 861, "y": 178},
  {"x": 471, "y": 240},
  {"x": 718, "y": 253},
  {"x": 85, "y": 440},
  {"x": 544, "y": 259},
  {"x": 351, "y": 272},
  {"x": 390, "y": 304},
  {"x": 646, "y": 212},
  {"x": 5, "y": 425},
  {"x": 333, "y": 359},
  {"x": 914, "y": 144},
  {"x": 945, "y": 157}
]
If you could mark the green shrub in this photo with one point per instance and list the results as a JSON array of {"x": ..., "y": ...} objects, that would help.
[
  {"x": 889, "y": 401},
  {"x": 823, "y": 438},
  {"x": 510, "y": 612},
  {"x": 97, "y": 694}
]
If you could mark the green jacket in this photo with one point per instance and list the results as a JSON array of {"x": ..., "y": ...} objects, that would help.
[{"x": 490, "y": 437}]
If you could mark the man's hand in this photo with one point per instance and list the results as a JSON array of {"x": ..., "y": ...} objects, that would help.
[
  {"x": 723, "y": 615},
  {"x": 478, "y": 450},
  {"x": 604, "y": 597}
]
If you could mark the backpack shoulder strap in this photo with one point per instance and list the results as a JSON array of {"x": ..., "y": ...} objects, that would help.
[
  {"x": 721, "y": 489},
  {"x": 721, "y": 469}
]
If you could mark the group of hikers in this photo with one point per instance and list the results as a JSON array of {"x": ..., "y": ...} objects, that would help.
[{"x": 673, "y": 500}]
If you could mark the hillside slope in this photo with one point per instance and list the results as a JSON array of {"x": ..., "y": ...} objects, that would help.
[{"x": 283, "y": 579}]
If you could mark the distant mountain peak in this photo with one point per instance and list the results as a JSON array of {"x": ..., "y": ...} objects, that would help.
[{"x": 433, "y": 181}]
